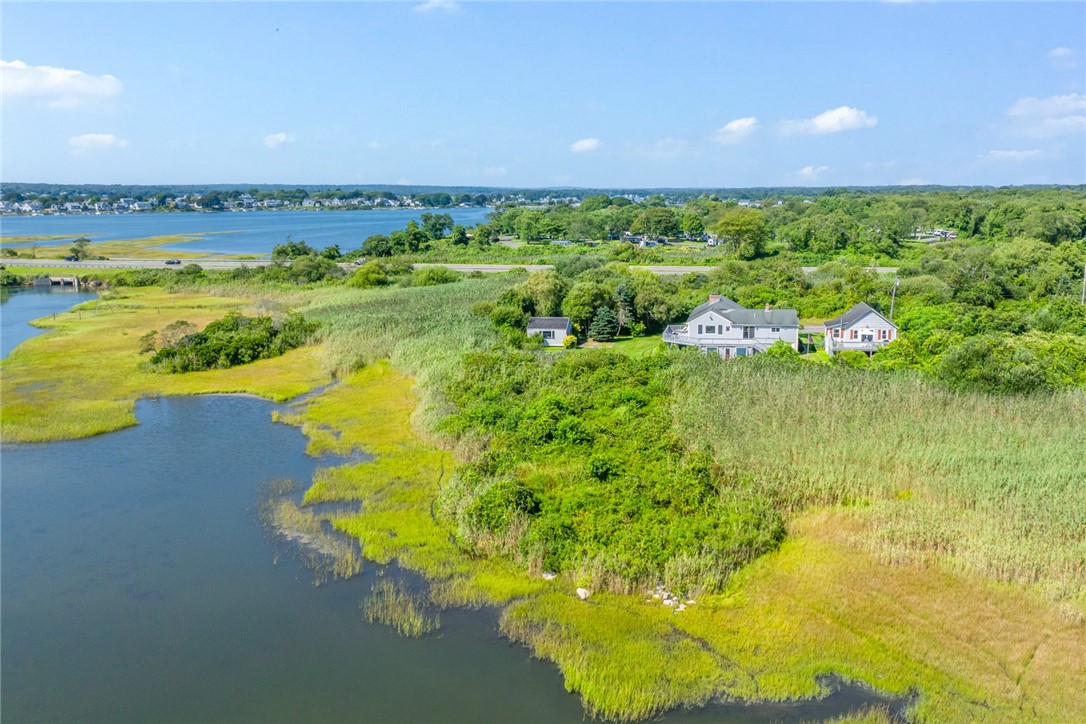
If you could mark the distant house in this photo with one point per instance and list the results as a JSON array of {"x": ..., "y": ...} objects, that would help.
[
  {"x": 860, "y": 328},
  {"x": 552, "y": 329},
  {"x": 723, "y": 326}
]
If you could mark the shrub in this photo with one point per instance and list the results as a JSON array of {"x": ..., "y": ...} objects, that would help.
[
  {"x": 433, "y": 275},
  {"x": 570, "y": 341},
  {"x": 369, "y": 275}
]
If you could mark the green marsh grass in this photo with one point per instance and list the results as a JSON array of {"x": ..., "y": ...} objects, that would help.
[
  {"x": 393, "y": 604},
  {"x": 328, "y": 554},
  {"x": 84, "y": 375},
  {"x": 880, "y": 584}
]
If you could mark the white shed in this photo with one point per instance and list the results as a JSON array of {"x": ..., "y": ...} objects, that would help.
[{"x": 552, "y": 329}]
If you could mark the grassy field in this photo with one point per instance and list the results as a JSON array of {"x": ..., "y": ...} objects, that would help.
[
  {"x": 994, "y": 485},
  {"x": 6, "y": 240},
  {"x": 84, "y": 376},
  {"x": 934, "y": 542}
]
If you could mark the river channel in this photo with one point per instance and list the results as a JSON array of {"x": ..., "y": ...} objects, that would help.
[{"x": 139, "y": 585}]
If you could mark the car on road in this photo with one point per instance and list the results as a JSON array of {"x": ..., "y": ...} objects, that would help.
[
  {"x": 71, "y": 257},
  {"x": 173, "y": 261}
]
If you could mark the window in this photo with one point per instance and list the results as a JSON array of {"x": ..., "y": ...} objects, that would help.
[
  {"x": 710, "y": 329},
  {"x": 776, "y": 329},
  {"x": 748, "y": 332},
  {"x": 548, "y": 334},
  {"x": 852, "y": 334},
  {"x": 867, "y": 338},
  {"x": 837, "y": 333},
  {"x": 700, "y": 328}
]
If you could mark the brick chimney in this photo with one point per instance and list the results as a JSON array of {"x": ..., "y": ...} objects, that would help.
[{"x": 714, "y": 298}]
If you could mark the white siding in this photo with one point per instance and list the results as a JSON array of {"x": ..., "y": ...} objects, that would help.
[
  {"x": 727, "y": 334},
  {"x": 871, "y": 324},
  {"x": 557, "y": 335}
]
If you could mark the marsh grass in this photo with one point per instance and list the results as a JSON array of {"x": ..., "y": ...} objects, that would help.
[
  {"x": 393, "y": 604},
  {"x": 82, "y": 378},
  {"x": 865, "y": 589},
  {"x": 994, "y": 485},
  {"x": 329, "y": 554}
]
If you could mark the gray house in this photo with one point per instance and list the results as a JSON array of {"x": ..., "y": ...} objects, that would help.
[
  {"x": 860, "y": 328},
  {"x": 552, "y": 329},
  {"x": 723, "y": 326}
]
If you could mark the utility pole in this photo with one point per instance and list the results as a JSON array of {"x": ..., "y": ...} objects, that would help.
[
  {"x": 897, "y": 282},
  {"x": 1082, "y": 300}
]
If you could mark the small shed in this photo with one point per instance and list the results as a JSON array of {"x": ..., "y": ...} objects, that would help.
[{"x": 552, "y": 329}]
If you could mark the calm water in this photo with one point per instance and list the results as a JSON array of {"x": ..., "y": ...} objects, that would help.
[
  {"x": 250, "y": 232},
  {"x": 139, "y": 585},
  {"x": 19, "y": 306}
]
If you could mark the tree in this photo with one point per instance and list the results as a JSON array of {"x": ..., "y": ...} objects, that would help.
[
  {"x": 459, "y": 236},
  {"x": 692, "y": 224},
  {"x": 546, "y": 289},
  {"x": 81, "y": 248},
  {"x": 658, "y": 221},
  {"x": 292, "y": 249},
  {"x": 483, "y": 235},
  {"x": 377, "y": 245},
  {"x": 583, "y": 300},
  {"x": 435, "y": 225},
  {"x": 625, "y": 309},
  {"x": 332, "y": 252},
  {"x": 604, "y": 325},
  {"x": 595, "y": 203},
  {"x": 743, "y": 231}
]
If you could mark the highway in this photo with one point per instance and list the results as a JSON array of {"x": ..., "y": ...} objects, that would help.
[{"x": 217, "y": 263}]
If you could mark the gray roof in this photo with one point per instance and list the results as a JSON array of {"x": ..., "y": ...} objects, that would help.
[
  {"x": 741, "y": 315},
  {"x": 720, "y": 306},
  {"x": 858, "y": 312},
  {"x": 548, "y": 323}
]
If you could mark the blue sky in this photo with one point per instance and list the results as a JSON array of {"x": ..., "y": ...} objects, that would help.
[{"x": 545, "y": 94}]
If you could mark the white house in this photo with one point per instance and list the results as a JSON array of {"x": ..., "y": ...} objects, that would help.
[
  {"x": 860, "y": 328},
  {"x": 552, "y": 329},
  {"x": 723, "y": 326}
]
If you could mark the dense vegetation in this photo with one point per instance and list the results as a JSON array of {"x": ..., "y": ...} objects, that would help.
[
  {"x": 584, "y": 475},
  {"x": 233, "y": 340}
]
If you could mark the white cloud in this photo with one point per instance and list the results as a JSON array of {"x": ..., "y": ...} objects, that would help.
[
  {"x": 1063, "y": 58},
  {"x": 735, "y": 131},
  {"x": 96, "y": 142},
  {"x": 809, "y": 173},
  {"x": 494, "y": 170},
  {"x": 448, "y": 7},
  {"x": 845, "y": 118},
  {"x": 1031, "y": 154},
  {"x": 375, "y": 145},
  {"x": 585, "y": 145},
  {"x": 1048, "y": 117},
  {"x": 912, "y": 182},
  {"x": 58, "y": 87},
  {"x": 275, "y": 140}
]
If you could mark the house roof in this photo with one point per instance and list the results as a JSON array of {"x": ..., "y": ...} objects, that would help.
[
  {"x": 741, "y": 315},
  {"x": 858, "y": 312},
  {"x": 548, "y": 323},
  {"x": 720, "y": 306}
]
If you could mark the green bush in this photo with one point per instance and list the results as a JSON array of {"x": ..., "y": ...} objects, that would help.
[{"x": 227, "y": 342}]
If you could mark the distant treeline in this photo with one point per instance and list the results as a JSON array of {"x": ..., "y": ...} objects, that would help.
[{"x": 439, "y": 196}]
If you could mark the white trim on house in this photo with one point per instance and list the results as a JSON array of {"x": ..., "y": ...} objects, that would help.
[
  {"x": 730, "y": 330},
  {"x": 861, "y": 328}
]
